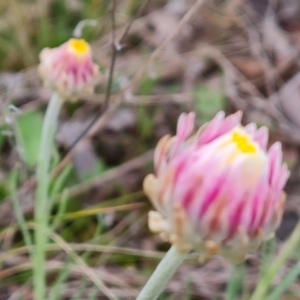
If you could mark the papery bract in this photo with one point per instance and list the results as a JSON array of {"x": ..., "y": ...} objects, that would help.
[
  {"x": 69, "y": 69},
  {"x": 218, "y": 191}
]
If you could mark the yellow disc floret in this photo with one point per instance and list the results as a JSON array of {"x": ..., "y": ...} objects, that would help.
[
  {"x": 243, "y": 143},
  {"x": 79, "y": 46}
]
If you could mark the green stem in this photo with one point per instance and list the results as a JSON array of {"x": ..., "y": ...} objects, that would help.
[
  {"x": 42, "y": 198},
  {"x": 235, "y": 282},
  {"x": 288, "y": 279},
  {"x": 162, "y": 275},
  {"x": 269, "y": 275}
]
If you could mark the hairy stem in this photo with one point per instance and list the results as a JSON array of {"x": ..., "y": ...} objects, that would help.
[
  {"x": 162, "y": 275},
  {"x": 41, "y": 213}
]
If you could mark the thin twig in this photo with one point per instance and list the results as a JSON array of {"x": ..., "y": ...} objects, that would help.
[
  {"x": 110, "y": 79},
  {"x": 127, "y": 28},
  {"x": 134, "y": 82},
  {"x": 113, "y": 174},
  {"x": 58, "y": 265},
  {"x": 116, "y": 45},
  {"x": 113, "y": 56},
  {"x": 85, "y": 247},
  {"x": 100, "y": 210},
  {"x": 88, "y": 271},
  {"x": 24, "y": 267}
]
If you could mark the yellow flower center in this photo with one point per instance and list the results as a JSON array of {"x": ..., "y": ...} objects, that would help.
[
  {"x": 79, "y": 46},
  {"x": 243, "y": 143}
]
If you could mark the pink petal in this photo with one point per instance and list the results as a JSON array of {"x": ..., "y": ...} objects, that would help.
[
  {"x": 212, "y": 129},
  {"x": 230, "y": 122},
  {"x": 185, "y": 126},
  {"x": 251, "y": 129},
  {"x": 275, "y": 159},
  {"x": 261, "y": 136},
  {"x": 255, "y": 207},
  {"x": 282, "y": 178},
  {"x": 219, "y": 126},
  {"x": 234, "y": 218},
  {"x": 213, "y": 190}
]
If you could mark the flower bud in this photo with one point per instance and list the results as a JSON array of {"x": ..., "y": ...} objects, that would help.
[
  {"x": 218, "y": 191},
  {"x": 69, "y": 69}
]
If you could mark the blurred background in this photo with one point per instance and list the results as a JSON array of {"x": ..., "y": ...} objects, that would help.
[{"x": 158, "y": 58}]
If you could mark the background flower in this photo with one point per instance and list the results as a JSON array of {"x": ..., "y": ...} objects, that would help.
[{"x": 69, "y": 69}]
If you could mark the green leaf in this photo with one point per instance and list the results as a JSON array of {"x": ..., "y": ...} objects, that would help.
[
  {"x": 28, "y": 129},
  {"x": 208, "y": 102},
  {"x": 288, "y": 280},
  {"x": 2, "y": 135},
  {"x": 147, "y": 86},
  {"x": 145, "y": 122}
]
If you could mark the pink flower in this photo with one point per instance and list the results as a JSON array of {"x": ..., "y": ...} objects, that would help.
[
  {"x": 69, "y": 69},
  {"x": 218, "y": 191}
]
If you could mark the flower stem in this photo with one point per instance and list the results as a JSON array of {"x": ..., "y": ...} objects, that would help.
[
  {"x": 162, "y": 274},
  {"x": 287, "y": 250},
  {"x": 41, "y": 213},
  {"x": 235, "y": 282}
]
